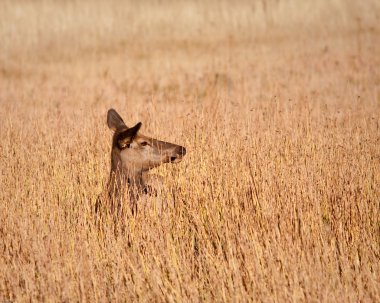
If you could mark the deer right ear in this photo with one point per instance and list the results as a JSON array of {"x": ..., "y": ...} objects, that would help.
[
  {"x": 125, "y": 138},
  {"x": 114, "y": 121}
]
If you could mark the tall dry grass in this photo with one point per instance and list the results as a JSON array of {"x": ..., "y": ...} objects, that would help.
[{"x": 278, "y": 105}]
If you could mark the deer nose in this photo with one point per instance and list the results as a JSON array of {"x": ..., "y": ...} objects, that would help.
[{"x": 181, "y": 151}]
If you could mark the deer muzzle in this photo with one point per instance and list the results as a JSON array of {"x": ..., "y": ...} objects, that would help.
[{"x": 178, "y": 154}]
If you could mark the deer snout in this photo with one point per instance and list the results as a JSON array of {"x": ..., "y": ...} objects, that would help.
[
  {"x": 178, "y": 154},
  {"x": 181, "y": 151}
]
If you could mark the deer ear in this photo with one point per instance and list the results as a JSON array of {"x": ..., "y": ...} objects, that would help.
[
  {"x": 126, "y": 137},
  {"x": 114, "y": 121}
]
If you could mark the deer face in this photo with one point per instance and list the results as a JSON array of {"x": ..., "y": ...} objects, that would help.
[
  {"x": 143, "y": 153},
  {"x": 139, "y": 152}
]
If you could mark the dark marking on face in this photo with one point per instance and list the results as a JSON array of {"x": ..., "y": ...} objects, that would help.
[{"x": 125, "y": 138}]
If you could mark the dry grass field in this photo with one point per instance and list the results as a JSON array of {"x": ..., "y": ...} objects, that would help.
[{"x": 278, "y": 105}]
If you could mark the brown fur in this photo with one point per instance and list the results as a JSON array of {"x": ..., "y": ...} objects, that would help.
[{"x": 132, "y": 155}]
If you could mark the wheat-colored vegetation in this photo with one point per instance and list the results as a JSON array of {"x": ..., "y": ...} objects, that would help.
[{"x": 278, "y": 105}]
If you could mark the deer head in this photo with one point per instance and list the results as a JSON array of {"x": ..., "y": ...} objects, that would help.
[{"x": 134, "y": 153}]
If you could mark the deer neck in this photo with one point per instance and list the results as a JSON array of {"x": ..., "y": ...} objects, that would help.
[
  {"x": 124, "y": 177},
  {"x": 134, "y": 179}
]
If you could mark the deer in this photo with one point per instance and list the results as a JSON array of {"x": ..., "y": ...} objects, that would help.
[{"x": 132, "y": 156}]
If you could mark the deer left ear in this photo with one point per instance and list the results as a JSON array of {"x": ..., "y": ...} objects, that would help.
[
  {"x": 125, "y": 138},
  {"x": 114, "y": 121}
]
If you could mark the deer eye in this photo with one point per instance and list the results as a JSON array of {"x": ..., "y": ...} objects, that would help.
[{"x": 144, "y": 143}]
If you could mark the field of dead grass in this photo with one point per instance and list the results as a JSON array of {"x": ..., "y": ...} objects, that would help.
[{"x": 278, "y": 105}]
